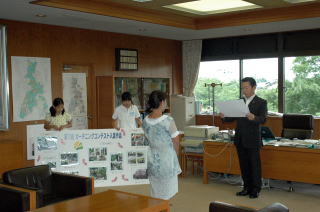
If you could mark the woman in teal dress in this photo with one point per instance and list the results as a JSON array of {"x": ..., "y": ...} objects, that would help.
[{"x": 162, "y": 135}]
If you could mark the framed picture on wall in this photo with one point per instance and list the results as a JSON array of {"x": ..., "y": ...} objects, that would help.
[
  {"x": 4, "y": 81},
  {"x": 126, "y": 59}
]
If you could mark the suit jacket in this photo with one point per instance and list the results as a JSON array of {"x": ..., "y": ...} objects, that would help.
[{"x": 248, "y": 133}]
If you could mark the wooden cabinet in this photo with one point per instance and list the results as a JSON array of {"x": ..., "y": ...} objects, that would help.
[
  {"x": 140, "y": 89},
  {"x": 109, "y": 90}
]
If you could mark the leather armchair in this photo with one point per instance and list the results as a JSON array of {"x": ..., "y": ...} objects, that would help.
[
  {"x": 297, "y": 126},
  {"x": 34, "y": 187},
  {"x": 225, "y": 207}
]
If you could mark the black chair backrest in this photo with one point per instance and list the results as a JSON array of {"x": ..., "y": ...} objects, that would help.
[
  {"x": 297, "y": 121},
  {"x": 275, "y": 207},
  {"x": 297, "y": 126},
  {"x": 35, "y": 177},
  {"x": 217, "y": 206}
]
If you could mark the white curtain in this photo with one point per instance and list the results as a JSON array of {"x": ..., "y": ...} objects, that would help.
[{"x": 191, "y": 56}]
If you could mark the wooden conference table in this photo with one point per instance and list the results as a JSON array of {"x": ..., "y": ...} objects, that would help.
[
  {"x": 280, "y": 163},
  {"x": 111, "y": 201}
]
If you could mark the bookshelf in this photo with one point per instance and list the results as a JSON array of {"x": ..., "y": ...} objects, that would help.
[{"x": 140, "y": 89}]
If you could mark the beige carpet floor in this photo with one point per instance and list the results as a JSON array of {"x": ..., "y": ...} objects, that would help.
[{"x": 194, "y": 196}]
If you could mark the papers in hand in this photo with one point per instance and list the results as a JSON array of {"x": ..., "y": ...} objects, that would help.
[{"x": 233, "y": 108}]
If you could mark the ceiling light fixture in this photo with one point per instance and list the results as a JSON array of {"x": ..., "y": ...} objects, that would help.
[
  {"x": 206, "y": 7},
  {"x": 141, "y": 1},
  {"x": 297, "y": 1}
]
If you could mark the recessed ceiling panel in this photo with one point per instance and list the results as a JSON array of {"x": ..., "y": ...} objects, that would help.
[
  {"x": 298, "y": 1},
  {"x": 206, "y": 7}
]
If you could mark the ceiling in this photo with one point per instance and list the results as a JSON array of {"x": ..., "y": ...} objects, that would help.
[{"x": 151, "y": 19}]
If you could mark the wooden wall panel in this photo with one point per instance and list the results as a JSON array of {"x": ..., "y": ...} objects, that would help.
[
  {"x": 105, "y": 104},
  {"x": 259, "y": 16},
  {"x": 64, "y": 45},
  {"x": 274, "y": 123},
  {"x": 11, "y": 155}
]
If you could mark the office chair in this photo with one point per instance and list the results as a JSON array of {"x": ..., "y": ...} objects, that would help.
[
  {"x": 297, "y": 126},
  {"x": 34, "y": 187},
  {"x": 225, "y": 207}
]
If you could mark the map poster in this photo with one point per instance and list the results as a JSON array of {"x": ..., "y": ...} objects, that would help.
[
  {"x": 111, "y": 157},
  {"x": 75, "y": 98},
  {"x": 31, "y": 86}
]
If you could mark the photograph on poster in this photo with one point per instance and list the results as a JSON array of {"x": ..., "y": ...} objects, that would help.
[
  {"x": 52, "y": 164},
  {"x": 33, "y": 132},
  {"x": 116, "y": 161},
  {"x": 140, "y": 174},
  {"x": 132, "y": 157},
  {"x": 71, "y": 172},
  {"x": 138, "y": 139},
  {"x": 98, "y": 173},
  {"x": 136, "y": 157},
  {"x": 140, "y": 157},
  {"x": 98, "y": 154},
  {"x": 116, "y": 157},
  {"x": 47, "y": 143},
  {"x": 68, "y": 159},
  {"x": 116, "y": 166}
]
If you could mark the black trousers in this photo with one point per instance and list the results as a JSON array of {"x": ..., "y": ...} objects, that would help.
[{"x": 250, "y": 166}]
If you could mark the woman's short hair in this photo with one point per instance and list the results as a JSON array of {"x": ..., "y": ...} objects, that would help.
[{"x": 155, "y": 99}]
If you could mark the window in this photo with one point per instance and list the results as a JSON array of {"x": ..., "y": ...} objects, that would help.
[
  {"x": 302, "y": 85},
  {"x": 225, "y": 72},
  {"x": 265, "y": 72}
]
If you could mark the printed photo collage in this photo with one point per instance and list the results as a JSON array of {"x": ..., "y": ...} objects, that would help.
[{"x": 109, "y": 164}]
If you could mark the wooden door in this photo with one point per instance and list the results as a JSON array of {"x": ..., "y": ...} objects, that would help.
[
  {"x": 105, "y": 101},
  {"x": 88, "y": 71}
]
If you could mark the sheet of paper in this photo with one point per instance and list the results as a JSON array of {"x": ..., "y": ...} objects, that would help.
[
  {"x": 232, "y": 108},
  {"x": 32, "y": 131}
]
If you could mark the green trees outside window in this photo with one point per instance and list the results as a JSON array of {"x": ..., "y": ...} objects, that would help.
[{"x": 302, "y": 83}]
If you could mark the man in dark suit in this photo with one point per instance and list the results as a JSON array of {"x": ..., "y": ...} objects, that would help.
[{"x": 248, "y": 138}]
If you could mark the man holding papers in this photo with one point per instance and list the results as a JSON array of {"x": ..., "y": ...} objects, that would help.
[{"x": 248, "y": 136}]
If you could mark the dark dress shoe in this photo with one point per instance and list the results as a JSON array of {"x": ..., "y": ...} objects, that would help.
[
  {"x": 253, "y": 195},
  {"x": 244, "y": 192}
]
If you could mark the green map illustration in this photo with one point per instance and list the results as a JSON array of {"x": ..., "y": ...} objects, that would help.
[{"x": 34, "y": 97}]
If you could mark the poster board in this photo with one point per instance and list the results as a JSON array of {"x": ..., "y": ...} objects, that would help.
[
  {"x": 33, "y": 131},
  {"x": 75, "y": 98},
  {"x": 111, "y": 157},
  {"x": 31, "y": 88}
]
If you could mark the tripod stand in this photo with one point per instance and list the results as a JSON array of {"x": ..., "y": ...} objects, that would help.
[{"x": 212, "y": 85}]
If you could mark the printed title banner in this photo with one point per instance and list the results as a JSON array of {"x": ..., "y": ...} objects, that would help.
[{"x": 110, "y": 156}]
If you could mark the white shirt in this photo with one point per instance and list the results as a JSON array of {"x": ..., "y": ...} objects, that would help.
[
  {"x": 126, "y": 116},
  {"x": 248, "y": 100}
]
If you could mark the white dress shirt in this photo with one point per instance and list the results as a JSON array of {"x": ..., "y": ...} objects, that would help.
[
  {"x": 126, "y": 116},
  {"x": 248, "y": 100}
]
